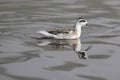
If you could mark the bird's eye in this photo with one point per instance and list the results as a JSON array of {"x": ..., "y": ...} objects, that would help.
[{"x": 82, "y": 21}]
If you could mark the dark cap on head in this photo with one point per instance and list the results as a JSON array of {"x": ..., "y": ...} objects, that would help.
[
  {"x": 82, "y": 21},
  {"x": 81, "y": 18}
]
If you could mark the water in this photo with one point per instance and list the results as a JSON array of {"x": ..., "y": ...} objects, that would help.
[{"x": 23, "y": 57}]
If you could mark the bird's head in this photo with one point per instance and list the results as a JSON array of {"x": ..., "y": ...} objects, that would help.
[{"x": 81, "y": 21}]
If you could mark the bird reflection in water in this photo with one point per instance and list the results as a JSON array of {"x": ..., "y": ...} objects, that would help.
[{"x": 75, "y": 44}]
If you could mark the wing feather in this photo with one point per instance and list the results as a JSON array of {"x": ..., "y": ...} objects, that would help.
[{"x": 58, "y": 31}]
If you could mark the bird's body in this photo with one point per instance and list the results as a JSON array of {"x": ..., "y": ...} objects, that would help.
[{"x": 73, "y": 33}]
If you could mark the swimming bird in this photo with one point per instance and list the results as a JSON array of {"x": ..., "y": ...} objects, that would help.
[{"x": 73, "y": 33}]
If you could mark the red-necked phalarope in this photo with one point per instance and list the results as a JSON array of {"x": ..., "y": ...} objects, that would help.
[{"x": 73, "y": 33}]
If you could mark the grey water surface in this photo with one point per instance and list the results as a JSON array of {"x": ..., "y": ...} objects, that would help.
[{"x": 23, "y": 56}]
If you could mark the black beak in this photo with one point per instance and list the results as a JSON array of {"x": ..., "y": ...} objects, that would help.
[{"x": 86, "y": 24}]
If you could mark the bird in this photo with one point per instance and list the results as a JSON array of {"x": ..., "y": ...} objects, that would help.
[{"x": 72, "y": 33}]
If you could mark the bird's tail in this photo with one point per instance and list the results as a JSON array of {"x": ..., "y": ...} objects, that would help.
[{"x": 45, "y": 33}]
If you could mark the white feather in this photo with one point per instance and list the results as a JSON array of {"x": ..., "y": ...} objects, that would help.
[{"x": 45, "y": 33}]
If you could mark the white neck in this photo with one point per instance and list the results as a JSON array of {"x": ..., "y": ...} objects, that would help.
[{"x": 78, "y": 27}]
